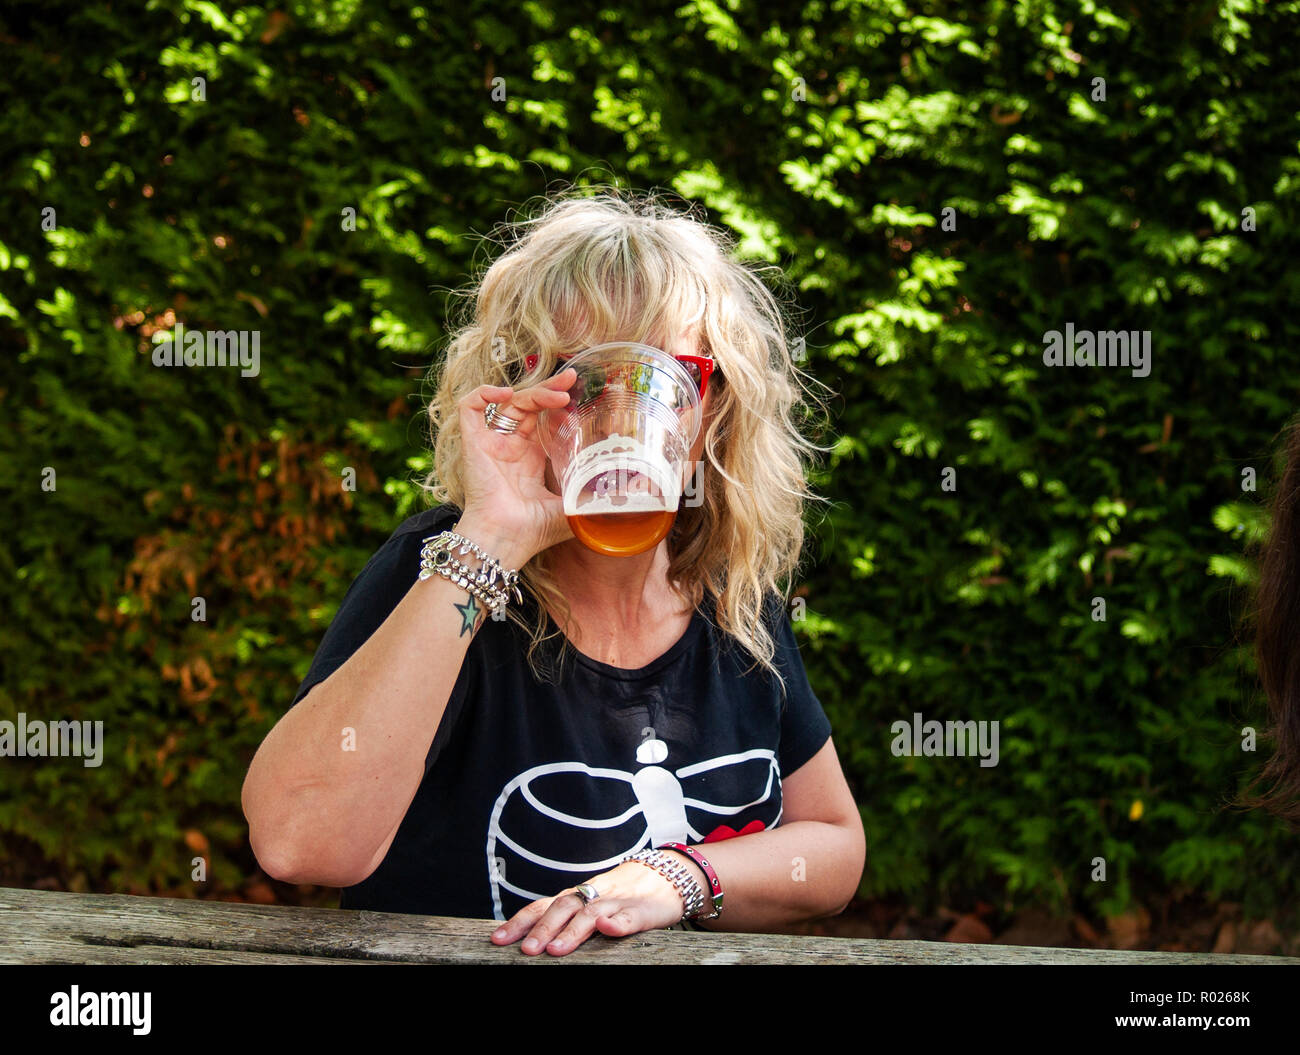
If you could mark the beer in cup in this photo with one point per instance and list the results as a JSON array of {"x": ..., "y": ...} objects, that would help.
[{"x": 620, "y": 449}]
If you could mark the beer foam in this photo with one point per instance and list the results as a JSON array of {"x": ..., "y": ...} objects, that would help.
[
  {"x": 599, "y": 476},
  {"x": 621, "y": 504}
]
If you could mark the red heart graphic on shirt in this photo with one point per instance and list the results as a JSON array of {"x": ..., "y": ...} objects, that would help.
[{"x": 723, "y": 831}]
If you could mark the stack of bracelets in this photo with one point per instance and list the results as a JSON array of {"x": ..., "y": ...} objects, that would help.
[
  {"x": 490, "y": 583},
  {"x": 693, "y": 898}
]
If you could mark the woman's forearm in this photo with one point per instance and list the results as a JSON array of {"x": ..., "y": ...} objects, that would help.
[
  {"x": 785, "y": 876},
  {"x": 330, "y": 784}
]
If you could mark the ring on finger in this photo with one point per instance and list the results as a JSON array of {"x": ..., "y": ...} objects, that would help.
[
  {"x": 587, "y": 892},
  {"x": 498, "y": 422}
]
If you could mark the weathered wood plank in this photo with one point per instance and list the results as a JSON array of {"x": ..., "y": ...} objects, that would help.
[
  {"x": 37, "y": 923},
  {"x": 54, "y": 951}
]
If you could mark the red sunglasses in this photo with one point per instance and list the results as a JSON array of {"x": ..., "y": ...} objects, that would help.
[{"x": 700, "y": 367}]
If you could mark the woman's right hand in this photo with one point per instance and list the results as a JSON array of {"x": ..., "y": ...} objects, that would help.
[{"x": 507, "y": 502}]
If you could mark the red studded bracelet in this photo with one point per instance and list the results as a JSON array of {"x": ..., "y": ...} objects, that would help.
[{"x": 715, "y": 888}]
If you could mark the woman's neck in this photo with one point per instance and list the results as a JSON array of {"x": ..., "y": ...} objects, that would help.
[{"x": 625, "y": 590}]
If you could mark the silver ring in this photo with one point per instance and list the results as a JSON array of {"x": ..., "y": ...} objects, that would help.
[
  {"x": 498, "y": 422},
  {"x": 587, "y": 892}
]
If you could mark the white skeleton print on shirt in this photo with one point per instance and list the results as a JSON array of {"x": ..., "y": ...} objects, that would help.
[{"x": 662, "y": 805}]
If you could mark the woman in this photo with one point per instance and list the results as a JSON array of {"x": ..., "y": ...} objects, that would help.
[{"x": 436, "y": 760}]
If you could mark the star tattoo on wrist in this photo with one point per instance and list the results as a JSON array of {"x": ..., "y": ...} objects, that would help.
[{"x": 469, "y": 614}]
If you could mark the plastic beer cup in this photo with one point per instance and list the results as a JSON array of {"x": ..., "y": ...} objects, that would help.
[{"x": 620, "y": 449}]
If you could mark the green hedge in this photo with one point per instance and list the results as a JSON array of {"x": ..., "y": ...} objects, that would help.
[{"x": 830, "y": 138}]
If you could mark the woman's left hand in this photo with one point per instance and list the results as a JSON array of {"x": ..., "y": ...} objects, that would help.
[{"x": 632, "y": 898}]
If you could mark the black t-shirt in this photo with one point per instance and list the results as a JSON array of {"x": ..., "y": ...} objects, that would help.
[{"x": 531, "y": 786}]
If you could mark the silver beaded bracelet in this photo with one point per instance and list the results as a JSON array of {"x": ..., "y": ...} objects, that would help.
[
  {"x": 489, "y": 583},
  {"x": 673, "y": 869}
]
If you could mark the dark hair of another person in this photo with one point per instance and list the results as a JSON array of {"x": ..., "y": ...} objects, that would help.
[{"x": 1277, "y": 641}]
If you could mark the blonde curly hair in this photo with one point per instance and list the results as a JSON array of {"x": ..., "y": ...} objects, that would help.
[{"x": 603, "y": 264}]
